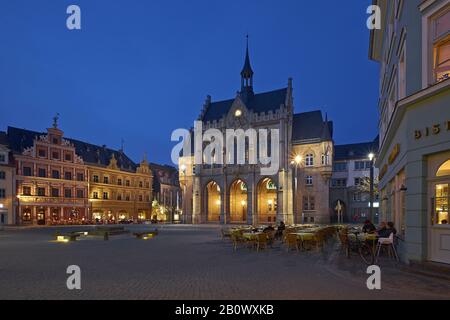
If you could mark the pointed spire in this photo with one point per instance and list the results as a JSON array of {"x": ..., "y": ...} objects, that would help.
[{"x": 247, "y": 71}]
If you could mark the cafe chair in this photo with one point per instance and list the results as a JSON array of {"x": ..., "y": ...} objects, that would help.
[
  {"x": 226, "y": 233},
  {"x": 271, "y": 238},
  {"x": 386, "y": 243},
  {"x": 261, "y": 241},
  {"x": 291, "y": 242},
  {"x": 237, "y": 239}
]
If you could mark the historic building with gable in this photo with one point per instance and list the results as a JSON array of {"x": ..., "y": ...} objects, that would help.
[
  {"x": 66, "y": 181},
  {"x": 239, "y": 193}
]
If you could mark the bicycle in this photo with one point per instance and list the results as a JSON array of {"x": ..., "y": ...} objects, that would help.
[{"x": 362, "y": 247}]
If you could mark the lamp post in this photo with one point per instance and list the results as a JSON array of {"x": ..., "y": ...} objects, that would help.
[
  {"x": 296, "y": 162},
  {"x": 371, "y": 157},
  {"x": 183, "y": 194},
  {"x": 18, "y": 218}
]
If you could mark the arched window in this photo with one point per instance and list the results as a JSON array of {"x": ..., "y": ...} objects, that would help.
[
  {"x": 309, "y": 160},
  {"x": 444, "y": 170}
]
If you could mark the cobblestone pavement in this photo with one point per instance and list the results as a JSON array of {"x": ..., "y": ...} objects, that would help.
[{"x": 190, "y": 262}]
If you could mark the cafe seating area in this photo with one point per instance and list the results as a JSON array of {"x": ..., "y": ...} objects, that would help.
[
  {"x": 295, "y": 237},
  {"x": 310, "y": 237}
]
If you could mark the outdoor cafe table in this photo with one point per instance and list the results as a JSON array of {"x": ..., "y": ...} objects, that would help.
[
  {"x": 304, "y": 236},
  {"x": 368, "y": 237},
  {"x": 251, "y": 235}
]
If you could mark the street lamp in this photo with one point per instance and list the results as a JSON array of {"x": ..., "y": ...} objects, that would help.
[
  {"x": 371, "y": 158},
  {"x": 183, "y": 194},
  {"x": 18, "y": 219},
  {"x": 296, "y": 163}
]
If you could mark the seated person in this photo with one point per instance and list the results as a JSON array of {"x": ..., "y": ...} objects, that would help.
[
  {"x": 386, "y": 232},
  {"x": 444, "y": 222},
  {"x": 382, "y": 229},
  {"x": 368, "y": 227},
  {"x": 391, "y": 228},
  {"x": 269, "y": 228},
  {"x": 280, "y": 229}
]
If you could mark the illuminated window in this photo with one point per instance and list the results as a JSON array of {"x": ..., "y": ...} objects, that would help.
[
  {"x": 26, "y": 191},
  {"x": 441, "y": 46},
  {"x": 444, "y": 170},
  {"x": 238, "y": 113},
  {"x": 441, "y": 204}
]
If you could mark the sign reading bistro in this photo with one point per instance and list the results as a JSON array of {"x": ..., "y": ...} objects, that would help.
[{"x": 434, "y": 130}]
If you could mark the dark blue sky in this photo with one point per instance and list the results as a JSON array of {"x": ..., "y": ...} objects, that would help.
[{"x": 140, "y": 68}]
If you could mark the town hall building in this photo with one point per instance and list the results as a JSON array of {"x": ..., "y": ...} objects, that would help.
[{"x": 239, "y": 193}]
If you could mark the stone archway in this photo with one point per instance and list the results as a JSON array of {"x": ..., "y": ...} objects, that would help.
[
  {"x": 266, "y": 201},
  {"x": 213, "y": 201},
  {"x": 238, "y": 202}
]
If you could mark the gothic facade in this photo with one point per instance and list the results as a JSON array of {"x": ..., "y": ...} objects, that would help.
[{"x": 240, "y": 193}]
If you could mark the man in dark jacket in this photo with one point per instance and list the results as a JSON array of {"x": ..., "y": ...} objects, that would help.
[{"x": 368, "y": 227}]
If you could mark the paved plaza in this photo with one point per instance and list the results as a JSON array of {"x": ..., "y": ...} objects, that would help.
[{"x": 190, "y": 262}]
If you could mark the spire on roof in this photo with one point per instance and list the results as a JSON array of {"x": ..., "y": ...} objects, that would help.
[{"x": 247, "y": 73}]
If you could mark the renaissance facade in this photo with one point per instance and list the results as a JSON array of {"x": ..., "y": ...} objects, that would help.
[
  {"x": 240, "y": 193},
  {"x": 66, "y": 181}
]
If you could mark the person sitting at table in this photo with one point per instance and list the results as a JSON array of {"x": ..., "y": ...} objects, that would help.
[
  {"x": 391, "y": 228},
  {"x": 382, "y": 230},
  {"x": 280, "y": 229},
  {"x": 368, "y": 227},
  {"x": 386, "y": 232},
  {"x": 269, "y": 228}
]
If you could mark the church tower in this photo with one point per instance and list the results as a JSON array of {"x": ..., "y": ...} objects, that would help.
[{"x": 247, "y": 75}]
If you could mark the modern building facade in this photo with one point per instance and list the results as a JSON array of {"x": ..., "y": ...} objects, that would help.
[
  {"x": 413, "y": 49},
  {"x": 241, "y": 193},
  {"x": 66, "y": 181},
  {"x": 350, "y": 182},
  {"x": 8, "y": 200}
]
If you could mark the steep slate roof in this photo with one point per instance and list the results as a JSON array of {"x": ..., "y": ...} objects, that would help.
[
  {"x": 311, "y": 126},
  {"x": 3, "y": 138},
  {"x": 19, "y": 139},
  {"x": 355, "y": 150},
  {"x": 261, "y": 102}
]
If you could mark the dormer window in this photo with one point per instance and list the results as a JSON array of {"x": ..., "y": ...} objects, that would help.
[{"x": 238, "y": 113}]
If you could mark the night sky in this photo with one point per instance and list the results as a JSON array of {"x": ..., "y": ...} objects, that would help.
[{"x": 139, "y": 69}]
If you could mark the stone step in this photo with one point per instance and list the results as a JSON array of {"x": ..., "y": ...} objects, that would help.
[{"x": 429, "y": 269}]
